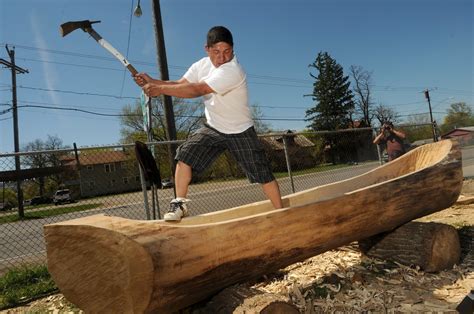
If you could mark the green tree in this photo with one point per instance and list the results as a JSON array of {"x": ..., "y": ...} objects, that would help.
[
  {"x": 8, "y": 196},
  {"x": 332, "y": 95},
  {"x": 188, "y": 117},
  {"x": 458, "y": 115},
  {"x": 420, "y": 127},
  {"x": 333, "y": 103},
  {"x": 46, "y": 157}
]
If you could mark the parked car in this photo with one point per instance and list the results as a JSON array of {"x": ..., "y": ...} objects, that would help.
[
  {"x": 62, "y": 196},
  {"x": 37, "y": 200},
  {"x": 166, "y": 184}
]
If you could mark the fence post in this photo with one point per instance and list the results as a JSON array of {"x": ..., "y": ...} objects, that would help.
[
  {"x": 288, "y": 162},
  {"x": 379, "y": 153},
  {"x": 78, "y": 163},
  {"x": 145, "y": 196}
]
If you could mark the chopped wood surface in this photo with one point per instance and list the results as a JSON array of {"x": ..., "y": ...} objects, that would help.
[{"x": 343, "y": 280}]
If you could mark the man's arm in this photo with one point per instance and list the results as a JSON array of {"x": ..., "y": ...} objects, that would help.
[
  {"x": 142, "y": 79},
  {"x": 181, "y": 89},
  {"x": 400, "y": 134},
  {"x": 378, "y": 138}
]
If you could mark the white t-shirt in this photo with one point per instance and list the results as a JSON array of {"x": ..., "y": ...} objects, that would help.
[{"x": 227, "y": 110}]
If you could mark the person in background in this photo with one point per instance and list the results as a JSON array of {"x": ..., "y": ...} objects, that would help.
[
  {"x": 393, "y": 139},
  {"x": 222, "y": 82}
]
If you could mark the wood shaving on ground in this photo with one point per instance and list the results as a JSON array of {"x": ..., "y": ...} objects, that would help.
[{"x": 344, "y": 280}]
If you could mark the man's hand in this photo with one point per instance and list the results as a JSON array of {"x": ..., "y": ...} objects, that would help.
[
  {"x": 142, "y": 78},
  {"x": 152, "y": 90}
]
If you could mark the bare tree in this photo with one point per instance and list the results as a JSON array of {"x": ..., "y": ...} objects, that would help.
[
  {"x": 422, "y": 118},
  {"x": 363, "y": 102},
  {"x": 43, "y": 160},
  {"x": 383, "y": 113},
  {"x": 260, "y": 125}
]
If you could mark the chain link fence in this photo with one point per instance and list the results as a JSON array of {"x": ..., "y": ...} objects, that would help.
[{"x": 107, "y": 180}]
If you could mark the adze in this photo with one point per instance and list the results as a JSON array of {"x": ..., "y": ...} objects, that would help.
[{"x": 86, "y": 26}]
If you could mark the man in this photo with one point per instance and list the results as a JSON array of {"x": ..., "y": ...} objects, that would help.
[
  {"x": 394, "y": 140},
  {"x": 222, "y": 83}
]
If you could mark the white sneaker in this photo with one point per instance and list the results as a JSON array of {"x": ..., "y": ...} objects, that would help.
[{"x": 178, "y": 209}]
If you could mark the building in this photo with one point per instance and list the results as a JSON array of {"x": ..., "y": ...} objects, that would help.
[
  {"x": 102, "y": 173},
  {"x": 464, "y": 135},
  {"x": 298, "y": 150}
]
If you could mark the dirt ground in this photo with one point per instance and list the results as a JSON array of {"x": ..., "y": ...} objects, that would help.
[{"x": 343, "y": 280}]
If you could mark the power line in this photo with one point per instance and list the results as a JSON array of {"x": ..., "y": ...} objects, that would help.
[
  {"x": 151, "y": 72},
  {"x": 57, "y": 105},
  {"x": 75, "y": 54},
  {"x": 196, "y": 102},
  {"x": 133, "y": 115},
  {"x": 136, "y": 98},
  {"x": 72, "y": 109},
  {"x": 378, "y": 88},
  {"x": 77, "y": 93}
]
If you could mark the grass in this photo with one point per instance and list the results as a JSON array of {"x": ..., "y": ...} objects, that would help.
[
  {"x": 24, "y": 284},
  {"x": 48, "y": 212}
]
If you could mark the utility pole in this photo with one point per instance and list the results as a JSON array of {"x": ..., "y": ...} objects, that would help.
[
  {"x": 163, "y": 65},
  {"x": 427, "y": 96},
  {"x": 16, "y": 69}
]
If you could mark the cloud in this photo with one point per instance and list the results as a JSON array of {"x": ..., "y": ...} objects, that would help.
[{"x": 49, "y": 72}]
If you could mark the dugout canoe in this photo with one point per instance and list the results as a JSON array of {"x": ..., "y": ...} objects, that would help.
[{"x": 114, "y": 265}]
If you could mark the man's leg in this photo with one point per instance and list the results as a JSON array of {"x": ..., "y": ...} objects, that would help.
[
  {"x": 195, "y": 155},
  {"x": 182, "y": 179},
  {"x": 272, "y": 191}
]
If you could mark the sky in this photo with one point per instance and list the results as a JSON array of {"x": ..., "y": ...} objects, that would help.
[{"x": 407, "y": 45}]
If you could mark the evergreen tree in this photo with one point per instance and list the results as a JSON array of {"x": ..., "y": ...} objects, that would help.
[
  {"x": 332, "y": 95},
  {"x": 333, "y": 107}
]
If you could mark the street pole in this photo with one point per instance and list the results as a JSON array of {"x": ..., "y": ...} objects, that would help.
[
  {"x": 14, "y": 68},
  {"x": 163, "y": 67},
  {"x": 427, "y": 96}
]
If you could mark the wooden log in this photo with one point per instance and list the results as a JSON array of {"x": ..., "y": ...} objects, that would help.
[
  {"x": 241, "y": 299},
  {"x": 112, "y": 264},
  {"x": 466, "y": 237},
  {"x": 432, "y": 246}
]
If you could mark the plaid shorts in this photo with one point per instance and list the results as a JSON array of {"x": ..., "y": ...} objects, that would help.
[{"x": 204, "y": 146}]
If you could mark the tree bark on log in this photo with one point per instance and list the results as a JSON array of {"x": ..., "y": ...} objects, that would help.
[
  {"x": 466, "y": 237},
  {"x": 240, "y": 300},
  {"x": 432, "y": 246}
]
